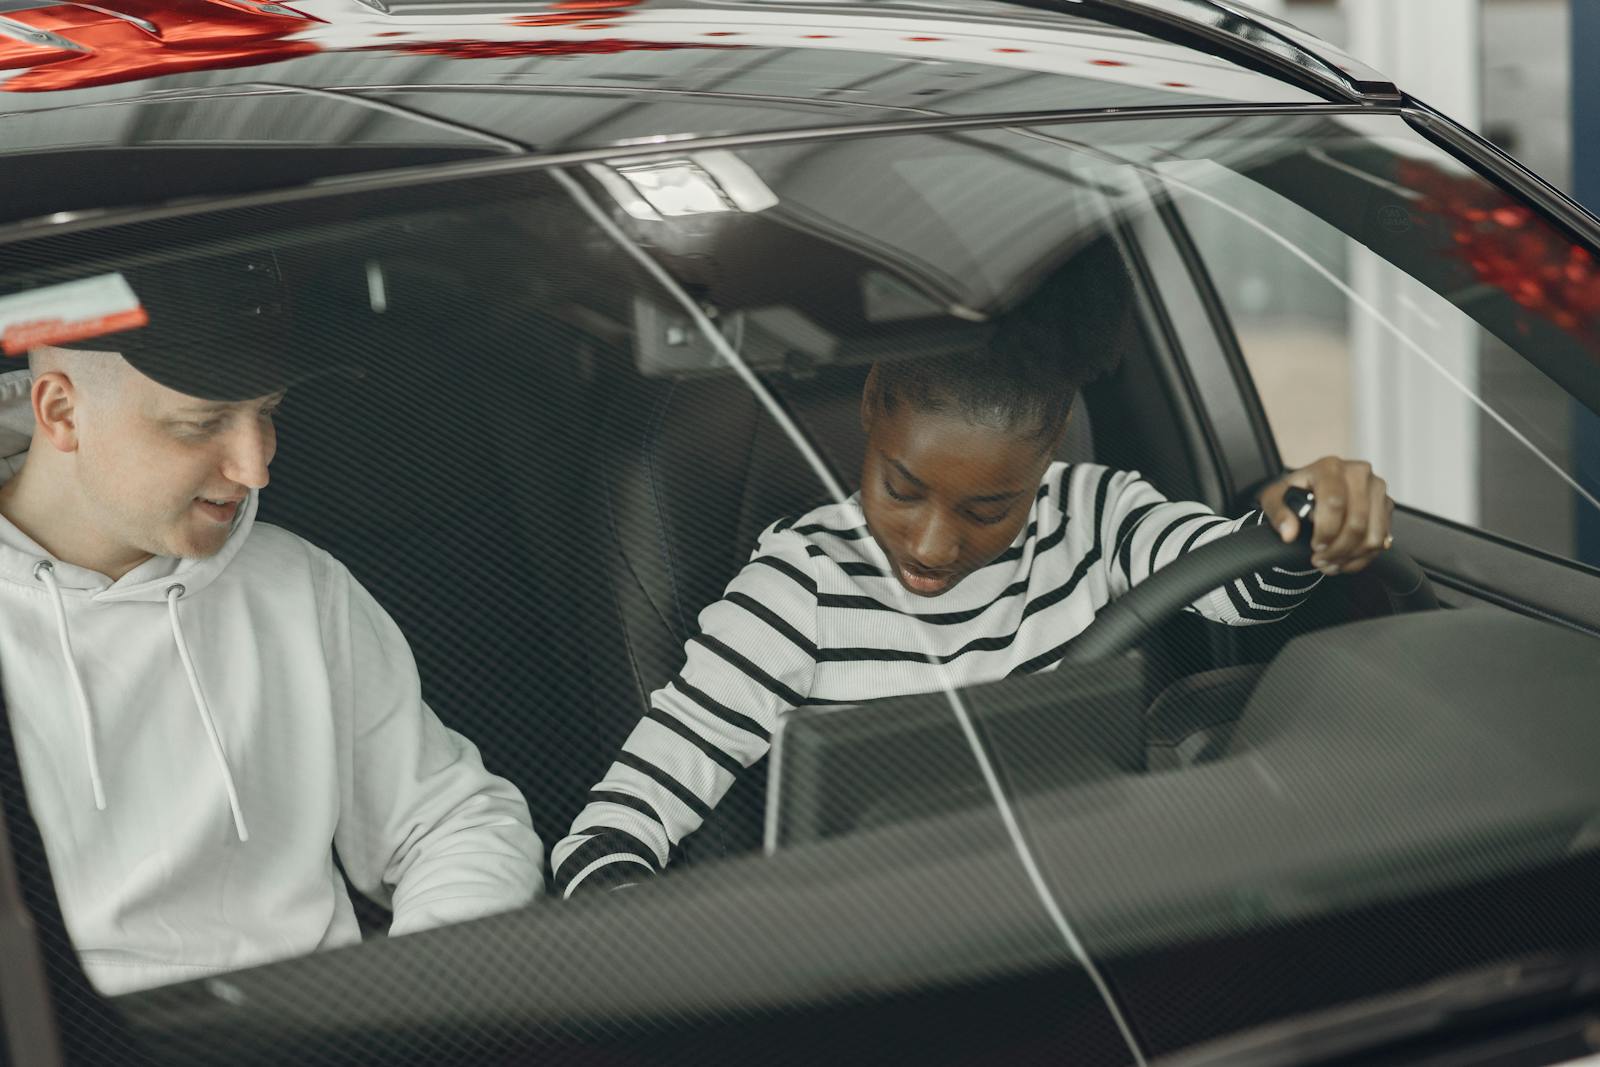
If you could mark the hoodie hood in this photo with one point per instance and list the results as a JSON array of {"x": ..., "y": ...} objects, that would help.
[{"x": 150, "y": 581}]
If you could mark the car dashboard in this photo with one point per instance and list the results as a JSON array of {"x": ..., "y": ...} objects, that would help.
[{"x": 1363, "y": 761}]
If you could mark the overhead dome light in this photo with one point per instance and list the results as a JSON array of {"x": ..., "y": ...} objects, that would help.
[{"x": 701, "y": 183}]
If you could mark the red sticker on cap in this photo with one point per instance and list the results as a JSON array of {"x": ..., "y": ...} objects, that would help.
[{"x": 70, "y": 311}]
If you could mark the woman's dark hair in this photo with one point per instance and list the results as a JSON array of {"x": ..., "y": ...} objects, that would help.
[{"x": 1065, "y": 334}]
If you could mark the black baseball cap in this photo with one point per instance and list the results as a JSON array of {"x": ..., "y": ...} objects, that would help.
[{"x": 218, "y": 328}]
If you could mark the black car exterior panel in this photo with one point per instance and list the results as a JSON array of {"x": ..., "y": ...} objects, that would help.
[
  {"x": 1181, "y": 995},
  {"x": 1224, "y": 31},
  {"x": 723, "y": 953}
]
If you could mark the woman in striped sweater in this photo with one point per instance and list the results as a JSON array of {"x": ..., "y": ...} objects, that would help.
[{"x": 966, "y": 556}]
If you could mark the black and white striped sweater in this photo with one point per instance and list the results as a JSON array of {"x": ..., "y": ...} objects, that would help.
[{"x": 816, "y": 617}]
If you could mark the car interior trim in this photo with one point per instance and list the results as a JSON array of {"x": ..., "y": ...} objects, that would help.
[
  {"x": 1244, "y": 466},
  {"x": 1193, "y": 361},
  {"x": 1484, "y": 566},
  {"x": 28, "y": 1018}
]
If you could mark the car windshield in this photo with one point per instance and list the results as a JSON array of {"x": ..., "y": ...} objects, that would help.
[{"x": 640, "y": 454}]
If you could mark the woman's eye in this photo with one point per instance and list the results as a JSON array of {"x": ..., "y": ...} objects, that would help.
[
  {"x": 887, "y": 488},
  {"x": 209, "y": 427}
]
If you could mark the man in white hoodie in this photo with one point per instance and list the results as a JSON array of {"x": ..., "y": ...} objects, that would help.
[{"x": 205, "y": 708}]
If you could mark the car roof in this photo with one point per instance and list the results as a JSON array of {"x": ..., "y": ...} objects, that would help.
[{"x": 133, "y": 102}]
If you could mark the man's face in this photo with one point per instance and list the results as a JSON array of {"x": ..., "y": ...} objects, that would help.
[
  {"x": 944, "y": 496},
  {"x": 164, "y": 473}
]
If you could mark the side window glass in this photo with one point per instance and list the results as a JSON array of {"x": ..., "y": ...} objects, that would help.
[{"x": 1353, "y": 355}]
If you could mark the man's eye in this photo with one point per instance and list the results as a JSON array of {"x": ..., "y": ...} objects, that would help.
[
  {"x": 200, "y": 427},
  {"x": 989, "y": 520}
]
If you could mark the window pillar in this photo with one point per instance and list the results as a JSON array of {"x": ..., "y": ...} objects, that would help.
[{"x": 1417, "y": 429}]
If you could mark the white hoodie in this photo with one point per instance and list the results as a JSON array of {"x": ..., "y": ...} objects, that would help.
[{"x": 198, "y": 735}]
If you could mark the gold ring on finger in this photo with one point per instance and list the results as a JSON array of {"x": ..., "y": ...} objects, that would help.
[{"x": 1388, "y": 541}]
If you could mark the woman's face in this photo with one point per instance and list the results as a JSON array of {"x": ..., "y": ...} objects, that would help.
[{"x": 944, "y": 496}]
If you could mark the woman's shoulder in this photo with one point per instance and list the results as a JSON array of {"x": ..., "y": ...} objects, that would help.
[
  {"x": 829, "y": 537},
  {"x": 837, "y": 522},
  {"x": 1079, "y": 483}
]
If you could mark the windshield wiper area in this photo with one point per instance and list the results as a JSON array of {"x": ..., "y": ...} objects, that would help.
[{"x": 1529, "y": 1011}]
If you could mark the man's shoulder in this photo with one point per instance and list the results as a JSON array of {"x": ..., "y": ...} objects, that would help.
[{"x": 285, "y": 553}]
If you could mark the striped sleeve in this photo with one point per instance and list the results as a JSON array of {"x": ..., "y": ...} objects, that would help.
[
  {"x": 1142, "y": 531},
  {"x": 752, "y": 659}
]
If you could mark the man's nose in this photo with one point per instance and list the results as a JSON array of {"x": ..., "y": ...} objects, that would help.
[
  {"x": 250, "y": 451},
  {"x": 935, "y": 545}
]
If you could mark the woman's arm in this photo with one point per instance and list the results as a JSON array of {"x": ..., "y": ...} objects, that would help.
[
  {"x": 752, "y": 660},
  {"x": 1144, "y": 532}
]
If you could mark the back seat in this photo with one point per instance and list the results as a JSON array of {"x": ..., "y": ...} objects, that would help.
[{"x": 450, "y": 480}]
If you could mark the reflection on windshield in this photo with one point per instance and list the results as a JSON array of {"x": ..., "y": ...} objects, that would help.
[
  {"x": 1518, "y": 253},
  {"x": 762, "y": 500}
]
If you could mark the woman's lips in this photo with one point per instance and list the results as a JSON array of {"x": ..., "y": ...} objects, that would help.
[{"x": 924, "y": 583}]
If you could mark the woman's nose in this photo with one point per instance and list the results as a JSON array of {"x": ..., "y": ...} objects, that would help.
[{"x": 934, "y": 545}]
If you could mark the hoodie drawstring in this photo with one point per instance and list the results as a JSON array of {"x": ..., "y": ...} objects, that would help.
[
  {"x": 46, "y": 573},
  {"x": 173, "y": 593}
]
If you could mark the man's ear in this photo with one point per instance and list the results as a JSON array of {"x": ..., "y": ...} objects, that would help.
[
  {"x": 869, "y": 399},
  {"x": 55, "y": 410}
]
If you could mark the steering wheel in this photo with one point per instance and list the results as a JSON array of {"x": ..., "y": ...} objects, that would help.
[{"x": 1129, "y": 619}]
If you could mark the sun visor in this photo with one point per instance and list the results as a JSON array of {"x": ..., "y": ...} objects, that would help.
[{"x": 68, "y": 312}]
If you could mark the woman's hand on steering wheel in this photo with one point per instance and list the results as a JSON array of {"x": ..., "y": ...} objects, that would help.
[{"x": 1350, "y": 518}]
